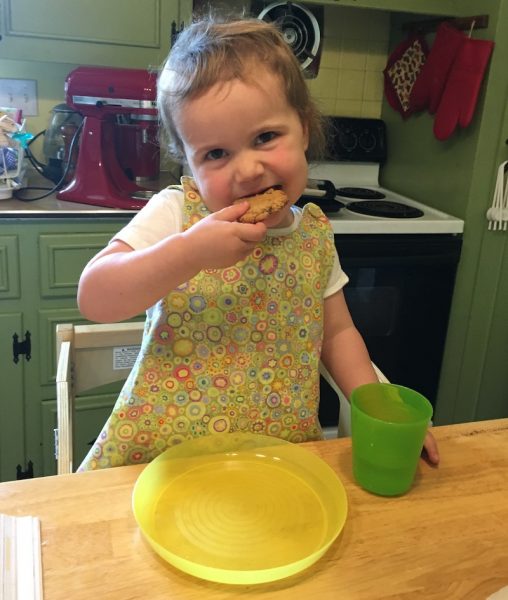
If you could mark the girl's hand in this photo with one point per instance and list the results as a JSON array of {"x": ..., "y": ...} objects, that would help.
[
  {"x": 219, "y": 240},
  {"x": 430, "y": 451}
]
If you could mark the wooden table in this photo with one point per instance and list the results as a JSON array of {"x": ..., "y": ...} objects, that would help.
[{"x": 447, "y": 538}]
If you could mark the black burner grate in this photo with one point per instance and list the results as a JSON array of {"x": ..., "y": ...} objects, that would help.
[
  {"x": 385, "y": 208},
  {"x": 360, "y": 193}
]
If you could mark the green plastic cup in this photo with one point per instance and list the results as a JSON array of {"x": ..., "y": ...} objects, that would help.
[{"x": 388, "y": 427}]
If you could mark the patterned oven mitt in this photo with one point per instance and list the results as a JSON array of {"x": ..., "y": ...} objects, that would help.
[{"x": 401, "y": 71}]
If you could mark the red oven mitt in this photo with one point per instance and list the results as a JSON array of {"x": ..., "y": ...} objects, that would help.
[
  {"x": 429, "y": 84},
  {"x": 401, "y": 71},
  {"x": 462, "y": 88}
]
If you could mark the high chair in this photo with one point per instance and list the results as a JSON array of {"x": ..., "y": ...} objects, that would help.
[
  {"x": 89, "y": 356},
  {"x": 344, "y": 428}
]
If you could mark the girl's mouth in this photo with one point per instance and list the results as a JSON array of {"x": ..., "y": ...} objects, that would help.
[{"x": 261, "y": 192}]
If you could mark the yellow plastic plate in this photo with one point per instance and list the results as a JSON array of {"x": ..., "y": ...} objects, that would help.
[{"x": 239, "y": 508}]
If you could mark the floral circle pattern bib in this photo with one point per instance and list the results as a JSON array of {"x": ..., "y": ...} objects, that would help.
[{"x": 233, "y": 349}]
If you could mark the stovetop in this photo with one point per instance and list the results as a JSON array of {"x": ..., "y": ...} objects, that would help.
[{"x": 366, "y": 175}]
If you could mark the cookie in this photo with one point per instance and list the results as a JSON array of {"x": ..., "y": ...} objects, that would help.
[{"x": 262, "y": 205}]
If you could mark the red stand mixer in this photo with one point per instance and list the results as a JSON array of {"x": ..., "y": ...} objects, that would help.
[{"x": 118, "y": 137}]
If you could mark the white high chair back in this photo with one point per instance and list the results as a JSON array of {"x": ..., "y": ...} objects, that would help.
[
  {"x": 91, "y": 355},
  {"x": 344, "y": 429},
  {"x": 88, "y": 356}
]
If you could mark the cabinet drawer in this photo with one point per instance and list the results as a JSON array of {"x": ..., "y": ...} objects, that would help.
[
  {"x": 63, "y": 257},
  {"x": 9, "y": 267}
]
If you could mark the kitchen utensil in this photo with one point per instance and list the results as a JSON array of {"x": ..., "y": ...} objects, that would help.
[
  {"x": 322, "y": 192},
  {"x": 497, "y": 214},
  {"x": 239, "y": 508},
  {"x": 388, "y": 426},
  {"x": 116, "y": 104},
  {"x": 63, "y": 118}
]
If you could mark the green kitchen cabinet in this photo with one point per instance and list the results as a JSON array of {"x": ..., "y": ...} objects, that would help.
[
  {"x": 121, "y": 33},
  {"x": 41, "y": 260}
]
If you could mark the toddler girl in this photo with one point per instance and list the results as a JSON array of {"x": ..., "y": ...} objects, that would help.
[{"x": 238, "y": 314}]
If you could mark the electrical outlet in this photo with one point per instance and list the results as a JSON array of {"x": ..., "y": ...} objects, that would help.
[{"x": 19, "y": 93}]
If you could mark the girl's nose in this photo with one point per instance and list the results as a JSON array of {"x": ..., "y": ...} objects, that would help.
[{"x": 248, "y": 166}]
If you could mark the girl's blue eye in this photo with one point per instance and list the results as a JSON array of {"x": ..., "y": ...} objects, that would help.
[
  {"x": 215, "y": 154},
  {"x": 267, "y": 136}
]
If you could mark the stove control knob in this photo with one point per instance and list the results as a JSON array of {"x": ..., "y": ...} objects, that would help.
[
  {"x": 367, "y": 141},
  {"x": 348, "y": 139}
]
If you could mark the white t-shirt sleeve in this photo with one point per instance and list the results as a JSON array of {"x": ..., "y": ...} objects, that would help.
[
  {"x": 160, "y": 218},
  {"x": 338, "y": 278}
]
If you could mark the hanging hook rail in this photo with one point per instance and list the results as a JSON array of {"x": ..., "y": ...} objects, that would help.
[
  {"x": 472, "y": 27},
  {"x": 463, "y": 23}
]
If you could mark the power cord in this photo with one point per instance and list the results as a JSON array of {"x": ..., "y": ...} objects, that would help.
[{"x": 42, "y": 169}]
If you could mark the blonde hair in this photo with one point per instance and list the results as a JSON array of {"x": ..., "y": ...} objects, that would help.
[{"x": 210, "y": 51}]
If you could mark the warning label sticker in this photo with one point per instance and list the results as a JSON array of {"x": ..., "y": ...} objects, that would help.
[{"x": 124, "y": 357}]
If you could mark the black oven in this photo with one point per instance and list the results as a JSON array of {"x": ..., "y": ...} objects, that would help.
[{"x": 399, "y": 295}]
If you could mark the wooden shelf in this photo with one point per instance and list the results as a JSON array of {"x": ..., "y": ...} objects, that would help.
[{"x": 462, "y": 23}]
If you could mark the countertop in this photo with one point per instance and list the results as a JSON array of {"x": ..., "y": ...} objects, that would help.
[
  {"x": 343, "y": 222},
  {"x": 52, "y": 207},
  {"x": 445, "y": 539}
]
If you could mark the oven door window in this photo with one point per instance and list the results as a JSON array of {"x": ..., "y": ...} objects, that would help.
[{"x": 374, "y": 307}]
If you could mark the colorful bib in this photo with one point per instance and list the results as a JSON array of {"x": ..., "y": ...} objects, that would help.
[{"x": 233, "y": 349}]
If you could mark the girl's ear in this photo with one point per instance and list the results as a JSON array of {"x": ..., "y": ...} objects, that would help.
[{"x": 305, "y": 126}]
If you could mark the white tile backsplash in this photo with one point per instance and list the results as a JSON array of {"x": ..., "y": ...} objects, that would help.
[
  {"x": 355, "y": 51},
  {"x": 350, "y": 84}
]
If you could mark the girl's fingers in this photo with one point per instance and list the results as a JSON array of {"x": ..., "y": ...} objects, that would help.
[{"x": 233, "y": 212}]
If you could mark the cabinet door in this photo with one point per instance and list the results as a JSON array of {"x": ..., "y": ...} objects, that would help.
[
  {"x": 92, "y": 411},
  {"x": 62, "y": 255},
  {"x": 62, "y": 258},
  {"x": 40, "y": 264},
  {"x": 12, "y": 452},
  {"x": 123, "y": 33}
]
